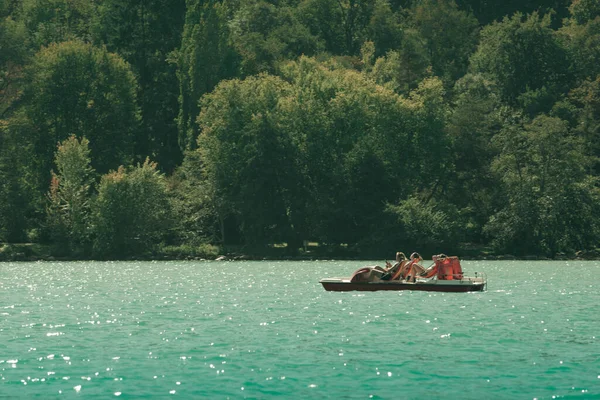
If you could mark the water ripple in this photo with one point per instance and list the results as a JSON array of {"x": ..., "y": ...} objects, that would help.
[{"x": 268, "y": 329}]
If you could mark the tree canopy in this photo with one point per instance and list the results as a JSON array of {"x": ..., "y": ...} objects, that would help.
[{"x": 127, "y": 127}]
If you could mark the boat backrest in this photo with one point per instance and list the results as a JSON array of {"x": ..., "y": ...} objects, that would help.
[
  {"x": 448, "y": 268},
  {"x": 361, "y": 275},
  {"x": 456, "y": 268}
]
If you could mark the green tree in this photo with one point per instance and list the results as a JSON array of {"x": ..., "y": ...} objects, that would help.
[
  {"x": 16, "y": 197},
  {"x": 144, "y": 33},
  {"x": 451, "y": 36},
  {"x": 384, "y": 28},
  {"x": 205, "y": 58},
  {"x": 249, "y": 159},
  {"x": 525, "y": 58},
  {"x": 324, "y": 20},
  {"x": 551, "y": 202},
  {"x": 341, "y": 123},
  {"x": 264, "y": 34},
  {"x": 343, "y": 25},
  {"x": 194, "y": 209},
  {"x": 68, "y": 212},
  {"x": 581, "y": 38},
  {"x": 477, "y": 116},
  {"x": 55, "y": 21},
  {"x": 583, "y": 11},
  {"x": 13, "y": 55},
  {"x": 430, "y": 138},
  {"x": 582, "y": 109},
  {"x": 403, "y": 69},
  {"x": 488, "y": 11},
  {"x": 308, "y": 157},
  {"x": 361, "y": 146},
  {"x": 78, "y": 89},
  {"x": 428, "y": 226},
  {"x": 356, "y": 16},
  {"x": 132, "y": 213}
]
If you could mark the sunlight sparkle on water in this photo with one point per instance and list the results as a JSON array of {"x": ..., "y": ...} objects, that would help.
[{"x": 161, "y": 318}]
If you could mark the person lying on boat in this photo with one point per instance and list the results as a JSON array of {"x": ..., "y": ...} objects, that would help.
[
  {"x": 392, "y": 272},
  {"x": 377, "y": 273}
]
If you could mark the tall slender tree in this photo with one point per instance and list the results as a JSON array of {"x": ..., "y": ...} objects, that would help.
[
  {"x": 68, "y": 212},
  {"x": 205, "y": 58},
  {"x": 145, "y": 33},
  {"x": 14, "y": 52},
  {"x": 17, "y": 200}
]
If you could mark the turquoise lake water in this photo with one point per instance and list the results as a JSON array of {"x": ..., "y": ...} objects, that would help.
[{"x": 268, "y": 329}]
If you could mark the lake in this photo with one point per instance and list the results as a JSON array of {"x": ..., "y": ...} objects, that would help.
[{"x": 267, "y": 329}]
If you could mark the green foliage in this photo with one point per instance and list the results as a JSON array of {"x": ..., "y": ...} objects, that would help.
[
  {"x": 355, "y": 18},
  {"x": 583, "y": 11},
  {"x": 582, "y": 40},
  {"x": 308, "y": 157},
  {"x": 16, "y": 252},
  {"x": 188, "y": 251},
  {"x": 144, "y": 33},
  {"x": 324, "y": 20},
  {"x": 18, "y": 199},
  {"x": 522, "y": 54},
  {"x": 193, "y": 204},
  {"x": 403, "y": 69},
  {"x": 344, "y": 127},
  {"x": 13, "y": 54},
  {"x": 357, "y": 124},
  {"x": 477, "y": 116},
  {"x": 487, "y": 12},
  {"x": 451, "y": 36},
  {"x": 385, "y": 28},
  {"x": 550, "y": 198},
  {"x": 582, "y": 109},
  {"x": 77, "y": 89},
  {"x": 431, "y": 113},
  {"x": 427, "y": 226},
  {"x": 68, "y": 212},
  {"x": 342, "y": 25},
  {"x": 205, "y": 57},
  {"x": 247, "y": 156},
  {"x": 263, "y": 34},
  {"x": 132, "y": 213},
  {"x": 55, "y": 21}
]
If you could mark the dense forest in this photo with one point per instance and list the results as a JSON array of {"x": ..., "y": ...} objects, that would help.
[{"x": 189, "y": 128}]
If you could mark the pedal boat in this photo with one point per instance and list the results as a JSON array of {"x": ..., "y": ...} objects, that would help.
[{"x": 445, "y": 275}]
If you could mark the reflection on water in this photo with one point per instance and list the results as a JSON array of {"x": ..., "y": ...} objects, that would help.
[{"x": 268, "y": 329}]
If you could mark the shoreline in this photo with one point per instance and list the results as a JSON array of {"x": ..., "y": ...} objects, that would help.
[
  {"x": 229, "y": 258},
  {"x": 34, "y": 252}
]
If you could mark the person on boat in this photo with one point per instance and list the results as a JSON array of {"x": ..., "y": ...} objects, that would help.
[
  {"x": 403, "y": 271},
  {"x": 413, "y": 268},
  {"x": 392, "y": 271}
]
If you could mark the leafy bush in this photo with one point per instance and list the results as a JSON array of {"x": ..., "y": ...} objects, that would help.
[
  {"x": 427, "y": 226},
  {"x": 132, "y": 213},
  {"x": 205, "y": 250}
]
